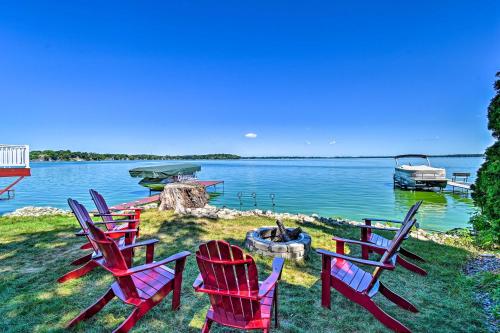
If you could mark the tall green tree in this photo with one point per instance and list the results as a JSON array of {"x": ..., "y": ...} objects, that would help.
[{"x": 486, "y": 193}]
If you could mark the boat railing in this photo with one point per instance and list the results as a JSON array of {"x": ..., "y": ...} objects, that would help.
[
  {"x": 14, "y": 156},
  {"x": 428, "y": 175}
]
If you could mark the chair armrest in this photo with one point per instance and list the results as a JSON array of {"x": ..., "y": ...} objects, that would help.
[
  {"x": 101, "y": 215},
  {"x": 102, "y": 222},
  {"x": 123, "y": 221},
  {"x": 357, "y": 242},
  {"x": 141, "y": 268},
  {"x": 271, "y": 281},
  {"x": 198, "y": 282},
  {"x": 356, "y": 260},
  {"x": 122, "y": 231},
  {"x": 376, "y": 228},
  {"x": 381, "y": 220},
  {"x": 81, "y": 233},
  {"x": 122, "y": 210},
  {"x": 143, "y": 243}
]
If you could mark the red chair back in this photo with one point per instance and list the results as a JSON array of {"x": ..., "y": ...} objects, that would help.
[
  {"x": 114, "y": 261},
  {"x": 103, "y": 208},
  {"x": 82, "y": 216},
  {"x": 390, "y": 255},
  {"x": 226, "y": 270},
  {"x": 412, "y": 211}
]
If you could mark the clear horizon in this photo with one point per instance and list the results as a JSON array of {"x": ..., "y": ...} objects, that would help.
[{"x": 262, "y": 79}]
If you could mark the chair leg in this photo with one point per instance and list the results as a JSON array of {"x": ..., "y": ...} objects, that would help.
[
  {"x": 82, "y": 260},
  {"x": 326, "y": 266},
  {"x": 176, "y": 294},
  {"x": 383, "y": 317},
  {"x": 131, "y": 320},
  {"x": 94, "y": 308},
  {"x": 411, "y": 267},
  {"x": 396, "y": 299},
  {"x": 411, "y": 255},
  {"x": 206, "y": 326},
  {"x": 79, "y": 272},
  {"x": 276, "y": 320},
  {"x": 326, "y": 291}
]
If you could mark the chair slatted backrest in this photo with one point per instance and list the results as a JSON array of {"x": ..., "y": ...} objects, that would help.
[
  {"x": 225, "y": 269},
  {"x": 103, "y": 208},
  {"x": 114, "y": 261},
  {"x": 82, "y": 216},
  {"x": 412, "y": 212},
  {"x": 390, "y": 255}
]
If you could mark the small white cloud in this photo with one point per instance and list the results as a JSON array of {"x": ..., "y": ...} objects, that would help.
[
  {"x": 250, "y": 135},
  {"x": 332, "y": 142},
  {"x": 308, "y": 142}
]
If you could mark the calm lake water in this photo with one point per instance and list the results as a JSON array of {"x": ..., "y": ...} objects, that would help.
[{"x": 350, "y": 188}]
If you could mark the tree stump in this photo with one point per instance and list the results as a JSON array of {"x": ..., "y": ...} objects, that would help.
[{"x": 179, "y": 196}]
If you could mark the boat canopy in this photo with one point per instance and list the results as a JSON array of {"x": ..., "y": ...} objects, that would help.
[
  {"x": 425, "y": 157},
  {"x": 411, "y": 155},
  {"x": 165, "y": 171}
]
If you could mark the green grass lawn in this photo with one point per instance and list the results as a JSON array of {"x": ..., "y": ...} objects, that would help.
[{"x": 34, "y": 252}]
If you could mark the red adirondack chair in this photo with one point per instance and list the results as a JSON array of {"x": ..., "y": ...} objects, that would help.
[
  {"x": 230, "y": 279},
  {"x": 340, "y": 272},
  {"x": 380, "y": 243},
  {"x": 133, "y": 218},
  {"x": 88, "y": 261},
  {"x": 142, "y": 286}
]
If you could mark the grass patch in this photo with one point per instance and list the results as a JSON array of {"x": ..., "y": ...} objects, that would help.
[{"x": 34, "y": 252}]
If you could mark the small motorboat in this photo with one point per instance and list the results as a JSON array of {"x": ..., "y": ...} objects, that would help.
[{"x": 418, "y": 176}]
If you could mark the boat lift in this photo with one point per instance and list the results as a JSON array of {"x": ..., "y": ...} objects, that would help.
[{"x": 14, "y": 163}]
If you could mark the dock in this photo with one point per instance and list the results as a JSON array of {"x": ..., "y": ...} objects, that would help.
[
  {"x": 465, "y": 186},
  {"x": 459, "y": 180},
  {"x": 156, "y": 197}
]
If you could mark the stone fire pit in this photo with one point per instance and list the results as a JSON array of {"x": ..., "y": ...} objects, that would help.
[{"x": 268, "y": 241}]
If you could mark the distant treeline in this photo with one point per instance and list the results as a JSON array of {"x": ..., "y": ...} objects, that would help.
[
  {"x": 68, "y": 155},
  {"x": 381, "y": 156}
]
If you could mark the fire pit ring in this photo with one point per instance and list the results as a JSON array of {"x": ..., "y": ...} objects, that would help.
[{"x": 297, "y": 249}]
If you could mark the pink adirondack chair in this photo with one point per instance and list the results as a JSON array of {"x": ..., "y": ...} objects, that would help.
[
  {"x": 340, "y": 272},
  {"x": 230, "y": 279},
  {"x": 380, "y": 243},
  {"x": 89, "y": 261},
  {"x": 142, "y": 286},
  {"x": 133, "y": 217}
]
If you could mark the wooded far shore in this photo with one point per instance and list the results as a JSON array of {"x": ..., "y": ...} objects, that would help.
[{"x": 68, "y": 155}]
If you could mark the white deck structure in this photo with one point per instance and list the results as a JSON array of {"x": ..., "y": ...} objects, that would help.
[
  {"x": 14, "y": 162},
  {"x": 14, "y": 156}
]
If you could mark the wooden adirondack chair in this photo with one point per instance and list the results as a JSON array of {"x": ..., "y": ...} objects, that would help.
[
  {"x": 133, "y": 218},
  {"x": 142, "y": 286},
  {"x": 380, "y": 243},
  {"x": 88, "y": 261},
  {"x": 230, "y": 279},
  {"x": 340, "y": 272}
]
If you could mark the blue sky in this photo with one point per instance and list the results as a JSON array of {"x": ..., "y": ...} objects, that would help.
[{"x": 308, "y": 78}]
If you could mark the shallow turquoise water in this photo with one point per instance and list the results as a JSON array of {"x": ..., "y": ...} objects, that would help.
[{"x": 351, "y": 188}]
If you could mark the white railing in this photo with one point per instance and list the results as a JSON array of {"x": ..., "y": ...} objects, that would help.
[
  {"x": 429, "y": 175},
  {"x": 14, "y": 156}
]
